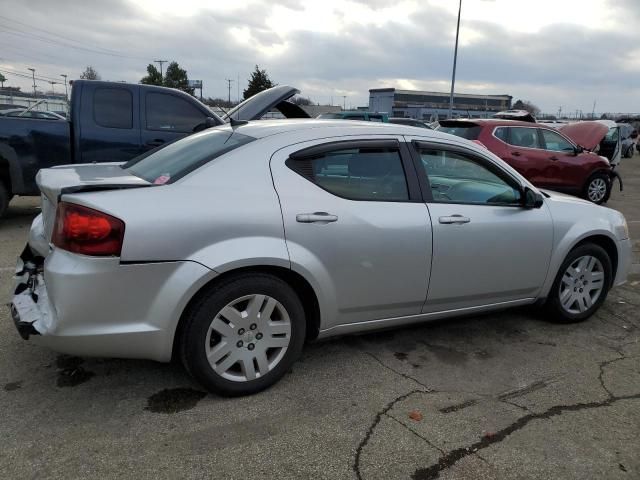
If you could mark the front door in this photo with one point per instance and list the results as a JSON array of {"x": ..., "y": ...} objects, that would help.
[
  {"x": 355, "y": 226},
  {"x": 563, "y": 166},
  {"x": 487, "y": 248}
]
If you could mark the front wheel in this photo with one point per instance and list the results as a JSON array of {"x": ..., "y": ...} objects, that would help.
[
  {"x": 581, "y": 285},
  {"x": 598, "y": 188},
  {"x": 244, "y": 334}
]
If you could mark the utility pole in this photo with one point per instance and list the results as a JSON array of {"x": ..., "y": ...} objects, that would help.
[
  {"x": 160, "y": 62},
  {"x": 344, "y": 102},
  {"x": 229, "y": 80},
  {"x": 33, "y": 74},
  {"x": 52, "y": 84},
  {"x": 455, "y": 60},
  {"x": 238, "y": 89},
  {"x": 66, "y": 92},
  {"x": 593, "y": 112}
]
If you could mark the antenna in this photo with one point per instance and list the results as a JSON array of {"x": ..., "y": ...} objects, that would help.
[{"x": 160, "y": 62}]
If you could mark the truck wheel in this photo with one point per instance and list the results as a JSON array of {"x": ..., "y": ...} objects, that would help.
[
  {"x": 243, "y": 335},
  {"x": 598, "y": 188},
  {"x": 5, "y": 198},
  {"x": 581, "y": 285}
]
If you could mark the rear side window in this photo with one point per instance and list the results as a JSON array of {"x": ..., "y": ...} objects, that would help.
[
  {"x": 171, "y": 113},
  {"x": 184, "y": 156},
  {"x": 366, "y": 173},
  {"x": 113, "y": 108},
  {"x": 524, "y": 137},
  {"x": 470, "y": 131}
]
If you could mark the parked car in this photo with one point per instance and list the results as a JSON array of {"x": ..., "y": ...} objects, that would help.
[
  {"x": 228, "y": 249},
  {"x": 547, "y": 157},
  {"x": 409, "y": 121},
  {"x": 356, "y": 115},
  {"x": 628, "y": 136},
  {"x": 114, "y": 122},
  {"x": 521, "y": 115}
]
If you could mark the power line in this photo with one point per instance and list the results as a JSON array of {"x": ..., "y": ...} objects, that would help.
[
  {"x": 24, "y": 75},
  {"x": 43, "y": 77},
  {"x": 48, "y": 32},
  {"x": 50, "y": 41}
]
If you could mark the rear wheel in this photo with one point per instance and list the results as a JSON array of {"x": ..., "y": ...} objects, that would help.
[
  {"x": 581, "y": 285},
  {"x": 244, "y": 334},
  {"x": 598, "y": 188},
  {"x": 5, "y": 198}
]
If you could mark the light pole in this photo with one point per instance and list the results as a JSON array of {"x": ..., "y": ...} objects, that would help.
[
  {"x": 66, "y": 92},
  {"x": 53, "y": 91},
  {"x": 455, "y": 59},
  {"x": 33, "y": 74},
  {"x": 344, "y": 102}
]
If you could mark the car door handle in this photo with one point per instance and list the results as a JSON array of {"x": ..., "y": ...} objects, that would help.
[
  {"x": 459, "y": 219},
  {"x": 554, "y": 158},
  {"x": 316, "y": 217},
  {"x": 155, "y": 143},
  {"x": 516, "y": 154}
]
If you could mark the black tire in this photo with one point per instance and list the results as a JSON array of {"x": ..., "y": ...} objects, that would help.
[
  {"x": 597, "y": 177},
  {"x": 199, "y": 319},
  {"x": 556, "y": 312},
  {"x": 5, "y": 198}
]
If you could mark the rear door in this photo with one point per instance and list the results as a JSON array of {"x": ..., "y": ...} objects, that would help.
[
  {"x": 108, "y": 129},
  {"x": 355, "y": 222},
  {"x": 167, "y": 116},
  {"x": 487, "y": 248}
]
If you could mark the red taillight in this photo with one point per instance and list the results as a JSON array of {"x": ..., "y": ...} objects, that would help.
[{"x": 87, "y": 231}]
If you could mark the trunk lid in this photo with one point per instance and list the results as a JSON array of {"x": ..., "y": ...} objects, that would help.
[
  {"x": 56, "y": 181},
  {"x": 259, "y": 104}
]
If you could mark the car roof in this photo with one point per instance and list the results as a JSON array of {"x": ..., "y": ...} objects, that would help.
[
  {"x": 264, "y": 128},
  {"x": 497, "y": 122}
]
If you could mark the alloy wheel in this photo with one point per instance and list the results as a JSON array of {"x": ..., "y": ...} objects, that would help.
[
  {"x": 582, "y": 284},
  {"x": 597, "y": 189},
  {"x": 248, "y": 338}
]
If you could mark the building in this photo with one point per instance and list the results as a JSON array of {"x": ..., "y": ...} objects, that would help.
[{"x": 433, "y": 106}]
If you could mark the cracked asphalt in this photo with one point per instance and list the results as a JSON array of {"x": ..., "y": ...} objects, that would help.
[{"x": 503, "y": 395}]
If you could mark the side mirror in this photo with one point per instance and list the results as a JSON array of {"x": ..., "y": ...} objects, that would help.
[
  {"x": 578, "y": 150},
  {"x": 531, "y": 199}
]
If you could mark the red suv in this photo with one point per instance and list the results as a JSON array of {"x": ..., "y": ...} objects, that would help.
[{"x": 546, "y": 157}]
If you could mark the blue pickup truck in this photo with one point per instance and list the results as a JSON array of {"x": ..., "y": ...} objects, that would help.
[{"x": 114, "y": 122}]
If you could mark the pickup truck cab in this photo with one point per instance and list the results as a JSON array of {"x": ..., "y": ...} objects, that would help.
[{"x": 109, "y": 122}]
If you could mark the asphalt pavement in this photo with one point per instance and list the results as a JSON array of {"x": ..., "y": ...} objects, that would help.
[{"x": 503, "y": 395}]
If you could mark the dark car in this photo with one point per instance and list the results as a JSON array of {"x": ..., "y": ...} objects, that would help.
[
  {"x": 545, "y": 156},
  {"x": 412, "y": 122}
]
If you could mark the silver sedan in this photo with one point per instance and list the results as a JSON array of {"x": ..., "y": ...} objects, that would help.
[{"x": 231, "y": 248}]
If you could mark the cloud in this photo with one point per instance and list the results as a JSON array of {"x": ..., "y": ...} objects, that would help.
[{"x": 339, "y": 48}]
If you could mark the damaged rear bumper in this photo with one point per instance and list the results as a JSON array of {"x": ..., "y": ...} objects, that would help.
[
  {"x": 30, "y": 308},
  {"x": 98, "y": 306}
]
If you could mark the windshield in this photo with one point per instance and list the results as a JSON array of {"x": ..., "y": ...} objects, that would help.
[{"x": 184, "y": 156}]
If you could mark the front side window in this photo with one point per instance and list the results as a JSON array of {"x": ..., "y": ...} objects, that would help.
[
  {"x": 524, "y": 137},
  {"x": 555, "y": 142},
  {"x": 366, "y": 173},
  {"x": 456, "y": 178},
  {"x": 113, "y": 107},
  {"x": 172, "y": 114}
]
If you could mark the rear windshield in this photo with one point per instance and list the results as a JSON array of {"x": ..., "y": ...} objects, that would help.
[
  {"x": 470, "y": 131},
  {"x": 184, "y": 156}
]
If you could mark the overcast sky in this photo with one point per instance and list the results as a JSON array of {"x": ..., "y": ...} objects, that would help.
[{"x": 552, "y": 52}]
